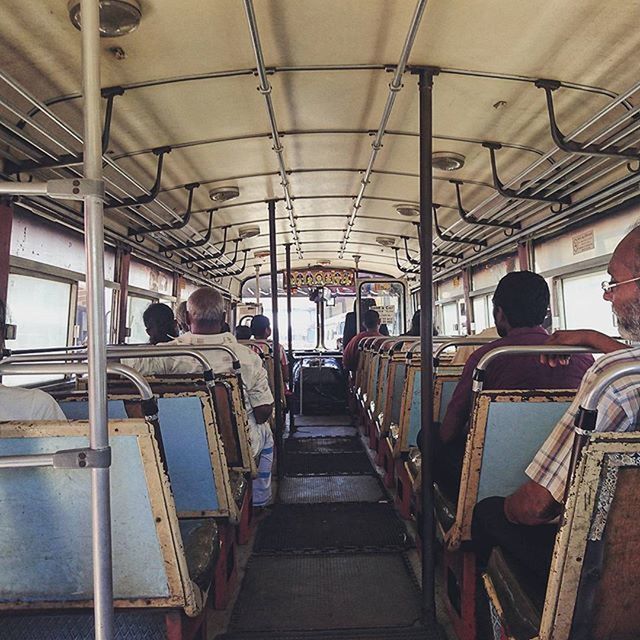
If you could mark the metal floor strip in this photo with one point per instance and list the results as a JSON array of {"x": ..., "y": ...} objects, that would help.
[
  {"x": 328, "y": 489},
  {"x": 311, "y": 464}
]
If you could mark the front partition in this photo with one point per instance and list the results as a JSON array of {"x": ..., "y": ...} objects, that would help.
[{"x": 45, "y": 538}]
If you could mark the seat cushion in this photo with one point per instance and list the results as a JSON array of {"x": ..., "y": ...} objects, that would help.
[
  {"x": 201, "y": 541},
  {"x": 521, "y": 597},
  {"x": 239, "y": 486}
]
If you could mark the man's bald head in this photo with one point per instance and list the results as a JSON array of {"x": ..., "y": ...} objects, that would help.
[
  {"x": 628, "y": 251},
  {"x": 205, "y": 310}
]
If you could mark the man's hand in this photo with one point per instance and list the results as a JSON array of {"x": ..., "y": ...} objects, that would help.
[
  {"x": 262, "y": 413},
  {"x": 599, "y": 342},
  {"x": 532, "y": 505}
]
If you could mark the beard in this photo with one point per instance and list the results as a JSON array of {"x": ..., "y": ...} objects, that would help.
[{"x": 629, "y": 321}]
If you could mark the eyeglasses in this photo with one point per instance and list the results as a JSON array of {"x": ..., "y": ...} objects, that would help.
[{"x": 607, "y": 287}]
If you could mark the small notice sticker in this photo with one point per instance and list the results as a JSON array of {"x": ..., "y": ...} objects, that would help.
[
  {"x": 387, "y": 313},
  {"x": 582, "y": 242}
]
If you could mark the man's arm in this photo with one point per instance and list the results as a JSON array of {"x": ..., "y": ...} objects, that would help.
[
  {"x": 262, "y": 413},
  {"x": 532, "y": 505},
  {"x": 349, "y": 360},
  {"x": 459, "y": 409},
  {"x": 599, "y": 342}
]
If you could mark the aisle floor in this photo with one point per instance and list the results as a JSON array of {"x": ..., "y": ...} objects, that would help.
[{"x": 332, "y": 559}]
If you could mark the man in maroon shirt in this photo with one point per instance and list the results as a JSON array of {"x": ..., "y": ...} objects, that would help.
[
  {"x": 520, "y": 304},
  {"x": 371, "y": 322}
]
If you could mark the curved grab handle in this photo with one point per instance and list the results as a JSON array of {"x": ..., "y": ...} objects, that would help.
[
  {"x": 559, "y": 350},
  {"x": 461, "y": 343}
]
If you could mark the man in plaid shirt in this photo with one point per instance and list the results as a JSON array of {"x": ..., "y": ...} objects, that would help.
[{"x": 523, "y": 523}]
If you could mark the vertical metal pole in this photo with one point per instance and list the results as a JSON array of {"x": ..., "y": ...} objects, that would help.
[
  {"x": 257, "y": 268},
  {"x": 466, "y": 290},
  {"x": 426, "y": 338},
  {"x": 287, "y": 248},
  {"x": 94, "y": 249},
  {"x": 277, "y": 391}
]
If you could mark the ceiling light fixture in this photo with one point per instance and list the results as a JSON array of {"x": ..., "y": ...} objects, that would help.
[
  {"x": 117, "y": 17},
  {"x": 385, "y": 241},
  {"x": 222, "y": 194},
  {"x": 262, "y": 254},
  {"x": 447, "y": 160},
  {"x": 409, "y": 210},
  {"x": 244, "y": 233}
]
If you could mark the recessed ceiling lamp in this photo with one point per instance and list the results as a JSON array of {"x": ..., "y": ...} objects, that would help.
[
  {"x": 447, "y": 160},
  {"x": 117, "y": 17},
  {"x": 222, "y": 194},
  {"x": 385, "y": 241},
  {"x": 244, "y": 233},
  {"x": 407, "y": 210},
  {"x": 262, "y": 254}
]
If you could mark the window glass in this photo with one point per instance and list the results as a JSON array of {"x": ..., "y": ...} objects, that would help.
[
  {"x": 583, "y": 304},
  {"x": 146, "y": 276},
  {"x": 450, "y": 322},
  {"x": 40, "y": 309},
  {"x": 81, "y": 328},
  {"x": 481, "y": 313},
  {"x": 334, "y": 317},
  {"x": 389, "y": 297},
  {"x": 135, "y": 308}
]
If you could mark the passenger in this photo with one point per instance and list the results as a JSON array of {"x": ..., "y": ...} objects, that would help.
[
  {"x": 225, "y": 328},
  {"x": 159, "y": 322},
  {"x": 243, "y": 332},
  {"x": 181, "y": 317},
  {"x": 523, "y": 523},
  {"x": 25, "y": 404},
  {"x": 520, "y": 304},
  {"x": 414, "y": 330},
  {"x": 350, "y": 322},
  {"x": 372, "y": 328},
  {"x": 463, "y": 353},
  {"x": 205, "y": 317},
  {"x": 261, "y": 330}
]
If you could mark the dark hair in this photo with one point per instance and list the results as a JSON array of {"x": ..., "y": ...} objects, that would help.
[
  {"x": 259, "y": 324},
  {"x": 371, "y": 319},
  {"x": 3, "y": 314},
  {"x": 243, "y": 332},
  {"x": 523, "y": 296},
  {"x": 158, "y": 314},
  {"x": 414, "y": 329}
]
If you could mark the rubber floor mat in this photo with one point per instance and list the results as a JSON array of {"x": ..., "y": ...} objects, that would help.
[
  {"x": 323, "y": 445},
  {"x": 323, "y": 421},
  {"x": 310, "y": 464},
  {"x": 404, "y": 633},
  {"x": 289, "y": 593},
  {"x": 318, "y": 489},
  {"x": 324, "y": 432},
  {"x": 320, "y": 528}
]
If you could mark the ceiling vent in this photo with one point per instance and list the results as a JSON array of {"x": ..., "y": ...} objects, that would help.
[
  {"x": 117, "y": 17},
  {"x": 385, "y": 241},
  {"x": 447, "y": 160},
  {"x": 407, "y": 210},
  {"x": 222, "y": 194},
  {"x": 244, "y": 233}
]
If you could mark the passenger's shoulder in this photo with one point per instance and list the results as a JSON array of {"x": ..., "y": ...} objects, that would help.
[{"x": 622, "y": 355}]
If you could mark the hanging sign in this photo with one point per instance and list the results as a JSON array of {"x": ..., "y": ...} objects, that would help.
[
  {"x": 317, "y": 277},
  {"x": 387, "y": 313}
]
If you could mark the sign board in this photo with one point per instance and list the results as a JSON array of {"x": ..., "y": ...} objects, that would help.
[
  {"x": 387, "y": 313},
  {"x": 582, "y": 242},
  {"x": 319, "y": 277}
]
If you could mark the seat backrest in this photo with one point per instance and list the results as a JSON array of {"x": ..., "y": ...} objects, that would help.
[
  {"x": 380, "y": 383},
  {"x": 594, "y": 584},
  {"x": 45, "y": 545},
  {"x": 507, "y": 429},
  {"x": 443, "y": 389},
  {"x": 410, "y": 419},
  {"x": 191, "y": 444},
  {"x": 391, "y": 397}
]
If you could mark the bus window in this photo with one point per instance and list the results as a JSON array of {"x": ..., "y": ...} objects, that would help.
[
  {"x": 482, "y": 313},
  {"x": 40, "y": 309},
  {"x": 80, "y": 332},
  {"x": 334, "y": 318},
  {"x": 450, "y": 320},
  {"x": 583, "y": 305},
  {"x": 304, "y": 320},
  {"x": 135, "y": 308}
]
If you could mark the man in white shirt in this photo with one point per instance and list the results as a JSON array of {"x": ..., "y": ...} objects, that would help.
[
  {"x": 25, "y": 404},
  {"x": 205, "y": 315}
]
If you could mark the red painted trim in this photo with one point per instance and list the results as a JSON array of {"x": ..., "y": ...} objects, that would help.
[
  {"x": 523, "y": 256},
  {"x": 466, "y": 289},
  {"x": 123, "y": 261},
  {"x": 6, "y": 223}
]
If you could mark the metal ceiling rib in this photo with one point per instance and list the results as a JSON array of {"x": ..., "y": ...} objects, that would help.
[{"x": 322, "y": 75}]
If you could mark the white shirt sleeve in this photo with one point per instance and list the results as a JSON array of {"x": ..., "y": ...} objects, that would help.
[
  {"x": 45, "y": 407},
  {"x": 256, "y": 381}
]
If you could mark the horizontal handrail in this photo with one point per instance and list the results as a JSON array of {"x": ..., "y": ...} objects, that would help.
[
  {"x": 464, "y": 342},
  {"x": 522, "y": 350}
]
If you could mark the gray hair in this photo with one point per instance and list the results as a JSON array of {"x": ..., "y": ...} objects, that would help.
[{"x": 206, "y": 305}]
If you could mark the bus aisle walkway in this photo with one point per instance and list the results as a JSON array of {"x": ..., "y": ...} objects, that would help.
[{"x": 330, "y": 561}]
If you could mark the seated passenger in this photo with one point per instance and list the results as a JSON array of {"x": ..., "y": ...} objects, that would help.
[
  {"x": 181, "y": 317},
  {"x": 25, "y": 404},
  {"x": 205, "y": 317},
  {"x": 351, "y": 354},
  {"x": 520, "y": 304},
  {"x": 350, "y": 329},
  {"x": 414, "y": 329},
  {"x": 523, "y": 523},
  {"x": 243, "y": 332},
  {"x": 261, "y": 330},
  {"x": 463, "y": 353},
  {"x": 159, "y": 322}
]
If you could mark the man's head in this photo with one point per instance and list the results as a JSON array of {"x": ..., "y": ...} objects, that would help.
[
  {"x": 521, "y": 299},
  {"x": 181, "y": 317},
  {"x": 260, "y": 327},
  {"x": 371, "y": 320},
  {"x": 243, "y": 332},
  {"x": 205, "y": 311},
  {"x": 625, "y": 298},
  {"x": 159, "y": 322}
]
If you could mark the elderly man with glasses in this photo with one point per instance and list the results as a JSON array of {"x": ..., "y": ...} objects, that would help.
[{"x": 524, "y": 523}]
